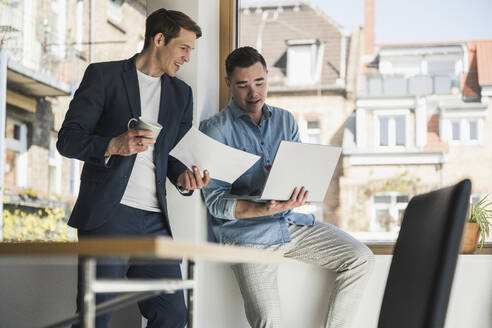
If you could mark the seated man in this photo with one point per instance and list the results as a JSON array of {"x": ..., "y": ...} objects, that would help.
[{"x": 249, "y": 124}]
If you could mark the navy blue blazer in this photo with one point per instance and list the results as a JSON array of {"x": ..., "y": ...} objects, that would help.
[{"x": 106, "y": 99}]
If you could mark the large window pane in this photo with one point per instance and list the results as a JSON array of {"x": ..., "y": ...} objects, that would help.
[
  {"x": 52, "y": 42},
  {"x": 413, "y": 105}
]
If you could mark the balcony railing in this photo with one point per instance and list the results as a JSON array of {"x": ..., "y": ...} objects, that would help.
[
  {"x": 419, "y": 85},
  {"x": 35, "y": 46}
]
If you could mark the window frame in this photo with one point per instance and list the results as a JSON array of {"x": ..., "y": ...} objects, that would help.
[
  {"x": 313, "y": 131},
  {"x": 464, "y": 131},
  {"x": 229, "y": 11},
  {"x": 19, "y": 146},
  {"x": 393, "y": 208},
  {"x": 316, "y": 56},
  {"x": 228, "y": 37},
  {"x": 392, "y": 146}
]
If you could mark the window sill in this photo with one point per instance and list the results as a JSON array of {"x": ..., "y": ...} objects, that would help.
[{"x": 386, "y": 248}]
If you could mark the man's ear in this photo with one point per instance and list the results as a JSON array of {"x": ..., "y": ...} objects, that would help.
[
  {"x": 227, "y": 81},
  {"x": 159, "y": 39}
]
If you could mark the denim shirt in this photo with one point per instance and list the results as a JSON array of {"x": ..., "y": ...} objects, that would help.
[{"x": 235, "y": 128}]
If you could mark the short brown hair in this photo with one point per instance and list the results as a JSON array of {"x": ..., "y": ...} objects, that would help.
[{"x": 169, "y": 23}]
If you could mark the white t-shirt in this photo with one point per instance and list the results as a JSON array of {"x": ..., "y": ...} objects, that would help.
[{"x": 141, "y": 189}]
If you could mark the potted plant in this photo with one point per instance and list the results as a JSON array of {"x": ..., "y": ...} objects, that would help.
[{"x": 478, "y": 225}]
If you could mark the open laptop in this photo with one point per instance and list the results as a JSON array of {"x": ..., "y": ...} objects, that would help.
[{"x": 296, "y": 165}]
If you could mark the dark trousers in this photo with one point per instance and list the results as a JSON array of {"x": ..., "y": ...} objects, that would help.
[{"x": 163, "y": 311}]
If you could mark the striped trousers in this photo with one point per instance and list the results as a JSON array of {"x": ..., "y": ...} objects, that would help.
[{"x": 323, "y": 245}]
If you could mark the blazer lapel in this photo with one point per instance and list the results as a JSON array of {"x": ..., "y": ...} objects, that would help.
[
  {"x": 165, "y": 103},
  {"x": 131, "y": 84}
]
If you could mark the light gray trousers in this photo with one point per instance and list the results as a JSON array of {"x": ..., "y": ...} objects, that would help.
[{"x": 321, "y": 244}]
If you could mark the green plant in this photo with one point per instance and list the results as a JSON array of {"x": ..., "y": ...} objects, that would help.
[
  {"x": 482, "y": 215},
  {"x": 44, "y": 224}
]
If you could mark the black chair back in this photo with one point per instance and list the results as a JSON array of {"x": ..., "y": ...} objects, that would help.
[{"x": 424, "y": 260}]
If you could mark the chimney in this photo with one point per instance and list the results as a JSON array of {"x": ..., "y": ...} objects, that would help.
[{"x": 368, "y": 27}]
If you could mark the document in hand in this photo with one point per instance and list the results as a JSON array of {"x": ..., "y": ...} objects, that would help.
[
  {"x": 223, "y": 162},
  {"x": 298, "y": 165}
]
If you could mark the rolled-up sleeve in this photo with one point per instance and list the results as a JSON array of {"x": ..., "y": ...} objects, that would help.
[
  {"x": 216, "y": 189},
  {"x": 217, "y": 206}
]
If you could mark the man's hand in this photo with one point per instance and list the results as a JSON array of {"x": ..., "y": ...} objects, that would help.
[
  {"x": 189, "y": 180},
  {"x": 129, "y": 143},
  {"x": 246, "y": 209},
  {"x": 298, "y": 198}
]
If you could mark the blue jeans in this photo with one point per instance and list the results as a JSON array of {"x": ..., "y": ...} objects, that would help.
[{"x": 165, "y": 310}]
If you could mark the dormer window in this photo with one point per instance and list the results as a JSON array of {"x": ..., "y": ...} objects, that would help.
[{"x": 304, "y": 59}]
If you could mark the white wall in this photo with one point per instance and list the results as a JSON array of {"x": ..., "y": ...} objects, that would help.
[
  {"x": 304, "y": 292},
  {"x": 470, "y": 301},
  {"x": 35, "y": 292},
  {"x": 188, "y": 214}
]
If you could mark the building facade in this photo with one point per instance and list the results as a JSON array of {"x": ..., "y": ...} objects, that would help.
[
  {"x": 421, "y": 122},
  {"x": 48, "y": 45},
  {"x": 410, "y": 117}
]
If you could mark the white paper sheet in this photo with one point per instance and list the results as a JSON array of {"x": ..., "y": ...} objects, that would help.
[{"x": 223, "y": 162}]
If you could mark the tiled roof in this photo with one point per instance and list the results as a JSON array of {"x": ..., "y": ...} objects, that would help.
[
  {"x": 479, "y": 68},
  {"x": 484, "y": 62},
  {"x": 295, "y": 21}
]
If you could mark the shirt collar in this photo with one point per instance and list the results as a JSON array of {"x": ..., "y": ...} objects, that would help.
[{"x": 238, "y": 112}]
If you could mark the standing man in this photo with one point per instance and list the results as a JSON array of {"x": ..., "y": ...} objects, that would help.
[
  {"x": 249, "y": 124},
  {"x": 122, "y": 190}
]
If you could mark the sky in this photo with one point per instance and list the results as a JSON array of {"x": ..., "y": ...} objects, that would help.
[{"x": 414, "y": 20}]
